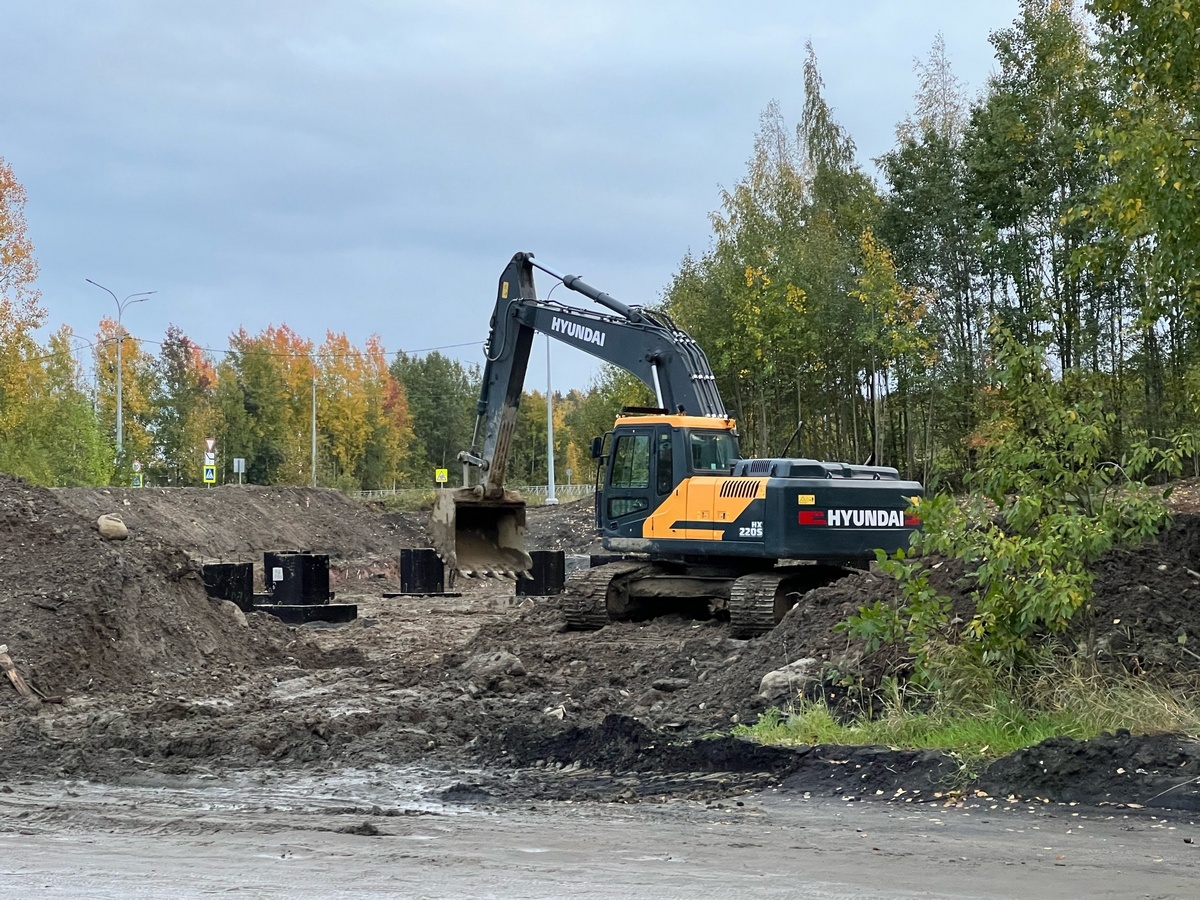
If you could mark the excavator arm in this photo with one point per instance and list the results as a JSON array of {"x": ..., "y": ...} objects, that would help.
[
  {"x": 480, "y": 528},
  {"x": 644, "y": 342}
]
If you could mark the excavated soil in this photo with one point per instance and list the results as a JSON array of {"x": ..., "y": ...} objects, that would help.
[{"x": 140, "y": 672}]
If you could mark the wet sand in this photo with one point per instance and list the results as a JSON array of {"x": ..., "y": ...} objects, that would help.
[{"x": 386, "y": 833}]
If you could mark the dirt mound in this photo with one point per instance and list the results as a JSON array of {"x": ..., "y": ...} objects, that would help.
[
  {"x": 85, "y": 614},
  {"x": 237, "y": 523},
  {"x": 1160, "y": 770},
  {"x": 570, "y": 527}
]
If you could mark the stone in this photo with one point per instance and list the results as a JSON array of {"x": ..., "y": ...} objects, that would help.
[
  {"x": 493, "y": 665},
  {"x": 112, "y": 527},
  {"x": 787, "y": 682}
]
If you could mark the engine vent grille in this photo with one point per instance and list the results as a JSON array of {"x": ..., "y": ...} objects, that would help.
[
  {"x": 739, "y": 487},
  {"x": 759, "y": 467}
]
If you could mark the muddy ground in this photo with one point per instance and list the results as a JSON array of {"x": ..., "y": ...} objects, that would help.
[{"x": 141, "y": 674}]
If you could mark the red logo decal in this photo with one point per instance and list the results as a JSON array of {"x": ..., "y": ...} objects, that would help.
[{"x": 812, "y": 517}]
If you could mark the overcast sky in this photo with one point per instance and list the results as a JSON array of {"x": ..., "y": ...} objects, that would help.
[{"x": 370, "y": 167}]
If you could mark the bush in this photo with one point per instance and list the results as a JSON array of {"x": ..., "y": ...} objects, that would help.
[{"x": 1043, "y": 507}]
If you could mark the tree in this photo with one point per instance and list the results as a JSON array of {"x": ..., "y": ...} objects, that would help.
[
  {"x": 441, "y": 395},
  {"x": 389, "y": 443},
  {"x": 342, "y": 406},
  {"x": 185, "y": 412},
  {"x": 772, "y": 302},
  {"x": 933, "y": 231},
  {"x": 1149, "y": 201},
  {"x": 264, "y": 391},
  {"x": 1032, "y": 155},
  {"x": 20, "y": 316},
  {"x": 67, "y": 447},
  {"x": 138, "y": 388},
  {"x": 1152, "y": 50},
  {"x": 889, "y": 330}
]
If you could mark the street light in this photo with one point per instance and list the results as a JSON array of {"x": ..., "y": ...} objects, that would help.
[
  {"x": 121, "y": 306},
  {"x": 551, "y": 499}
]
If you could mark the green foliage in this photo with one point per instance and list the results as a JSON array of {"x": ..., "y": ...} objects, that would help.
[
  {"x": 1151, "y": 51},
  {"x": 1044, "y": 508},
  {"x": 992, "y": 714},
  {"x": 184, "y": 414},
  {"x": 441, "y": 396},
  {"x": 788, "y": 301}
]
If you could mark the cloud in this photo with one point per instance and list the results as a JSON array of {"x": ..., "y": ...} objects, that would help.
[{"x": 371, "y": 166}]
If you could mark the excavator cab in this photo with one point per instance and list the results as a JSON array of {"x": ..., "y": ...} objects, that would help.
[{"x": 649, "y": 462}]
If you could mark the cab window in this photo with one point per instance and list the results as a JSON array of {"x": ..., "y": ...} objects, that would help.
[
  {"x": 631, "y": 461},
  {"x": 711, "y": 451},
  {"x": 666, "y": 470}
]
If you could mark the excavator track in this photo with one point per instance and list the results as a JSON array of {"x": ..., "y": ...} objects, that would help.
[
  {"x": 756, "y": 603},
  {"x": 585, "y": 595}
]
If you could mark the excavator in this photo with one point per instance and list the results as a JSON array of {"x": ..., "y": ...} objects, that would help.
[{"x": 697, "y": 528}]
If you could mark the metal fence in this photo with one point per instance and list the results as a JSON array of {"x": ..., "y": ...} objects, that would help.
[{"x": 535, "y": 494}]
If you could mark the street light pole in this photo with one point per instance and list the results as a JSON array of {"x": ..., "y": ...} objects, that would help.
[
  {"x": 551, "y": 499},
  {"x": 139, "y": 297},
  {"x": 314, "y": 420}
]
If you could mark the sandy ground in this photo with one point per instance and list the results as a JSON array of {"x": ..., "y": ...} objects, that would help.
[{"x": 386, "y": 833}]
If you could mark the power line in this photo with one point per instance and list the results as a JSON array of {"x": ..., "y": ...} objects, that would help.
[{"x": 227, "y": 352}]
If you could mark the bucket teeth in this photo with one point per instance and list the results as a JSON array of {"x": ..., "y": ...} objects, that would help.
[{"x": 479, "y": 538}]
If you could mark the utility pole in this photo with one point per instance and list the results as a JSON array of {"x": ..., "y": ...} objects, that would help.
[
  {"x": 551, "y": 499},
  {"x": 139, "y": 297},
  {"x": 314, "y": 422}
]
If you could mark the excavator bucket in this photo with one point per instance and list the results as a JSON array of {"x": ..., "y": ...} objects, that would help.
[{"x": 477, "y": 537}]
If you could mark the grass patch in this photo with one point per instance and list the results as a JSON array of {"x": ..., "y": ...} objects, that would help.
[{"x": 978, "y": 715}]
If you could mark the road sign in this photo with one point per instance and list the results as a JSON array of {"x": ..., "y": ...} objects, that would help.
[
  {"x": 210, "y": 474},
  {"x": 441, "y": 476},
  {"x": 239, "y": 465},
  {"x": 137, "y": 466},
  {"x": 210, "y": 445},
  {"x": 136, "y": 481},
  {"x": 210, "y": 459}
]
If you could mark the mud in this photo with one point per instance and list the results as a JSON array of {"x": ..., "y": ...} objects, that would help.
[{"x": 156, "y": 680}]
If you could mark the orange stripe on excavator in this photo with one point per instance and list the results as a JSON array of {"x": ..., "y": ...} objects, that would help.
[
  {"x": 676, "y": 421},
  {"x": 698, "y": 500}
]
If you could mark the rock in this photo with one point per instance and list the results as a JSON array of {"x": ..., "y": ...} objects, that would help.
[
  {"x": 786, "y": 683},
  {"x": 649, "y": 699},
  {"x": 669, "y": 685},
  {"x": 230, "y": 610},
  {"x": 493, "y": 665},
  {"x": 112, "y": 527}
]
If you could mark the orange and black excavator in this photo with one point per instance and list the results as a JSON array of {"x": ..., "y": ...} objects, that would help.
[{"x": 704, "y": 531}]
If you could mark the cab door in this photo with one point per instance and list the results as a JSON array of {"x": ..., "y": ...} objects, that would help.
[{"x": 629, "y": 484}]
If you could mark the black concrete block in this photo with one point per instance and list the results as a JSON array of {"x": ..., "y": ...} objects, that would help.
[{"x": 547, "y": 574}]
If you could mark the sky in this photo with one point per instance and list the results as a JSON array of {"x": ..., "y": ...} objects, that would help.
[{"x": 370, "y": 166}]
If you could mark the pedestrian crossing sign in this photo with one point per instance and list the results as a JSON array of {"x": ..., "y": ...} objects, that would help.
[
  {"x": 137, "y": 479},
  {"x": 210, "y": 474}
]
